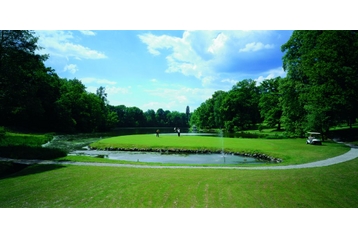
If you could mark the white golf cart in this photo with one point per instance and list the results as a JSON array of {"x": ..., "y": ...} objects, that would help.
[{"x": 314, "y": 138}]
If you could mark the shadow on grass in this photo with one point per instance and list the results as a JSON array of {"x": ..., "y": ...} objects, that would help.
[
  {"x": 30, "y": 152},
  {"x": 13, "y": 170}
]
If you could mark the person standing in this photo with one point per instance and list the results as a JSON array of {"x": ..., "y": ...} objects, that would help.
[
  {"x": 178, "y": 130},
  {"x": 157, "y": 132}
]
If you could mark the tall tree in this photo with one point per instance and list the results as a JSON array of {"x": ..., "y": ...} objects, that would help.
[
  {"x": 322, "y": 68},
  {"x": 150, "y": 118},
  {"x": 240, "y": 106},
  {"x": 187, "y": 112},
  {"x": 27, "y": 87},
  {"x": 269, "y": 104}
]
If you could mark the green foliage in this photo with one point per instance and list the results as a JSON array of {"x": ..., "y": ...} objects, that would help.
[
  {"x": 237, "y": 108},
  {"x": 322, "y": 78},
  {"x": 30, "y": 152},
  {"x": 269, "y": 104},
  {"x": 28, "y": 146},
  {"x": 16, "y": 139}
]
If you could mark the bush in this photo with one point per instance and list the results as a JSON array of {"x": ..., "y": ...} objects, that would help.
[{"x": 29, "y": 152}]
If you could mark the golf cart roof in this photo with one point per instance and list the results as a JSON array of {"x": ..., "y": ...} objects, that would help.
[{"x": 314, "y": 133}]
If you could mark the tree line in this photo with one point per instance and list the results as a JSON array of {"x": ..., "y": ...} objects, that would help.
[
  {"x": 319, "y": 91},
  {"x": 135, "y": 117},
  {"x": 33, "y": 96}
]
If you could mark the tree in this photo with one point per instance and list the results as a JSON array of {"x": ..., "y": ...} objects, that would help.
[
  {"x": 176, "y": 119},
  {"x": 240, "y": 106},
  {"x": 135, "y": 116},
  {"x": 187, "y": 112},
  {"x": 160, "y": 117},
  {"x": 321, "y": 67},
  {"x": 269, "y": 104},
  {"x": 150, "y": 118},
  {"x": 23, "y": 77},
  {"x": 218, "y": 98}
]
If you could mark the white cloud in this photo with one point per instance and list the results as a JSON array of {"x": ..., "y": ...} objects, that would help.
[
  {"x": 158, "y": 42},
  {"x": 255, "y": 46},
  {"x": 88, "y": 33},
  {"x": 111, "y": 90},
  {"x": 89, "y": 80},
  {"x": 116, "y": 90},
  {"x": 279, "y": 72},
  {"x": 211, "y": 56},
  {"x": 176, "y": 95},
  {"x": 154, "y": 80},
  {"x": 72, "y": 68},
  {"x": 58, "y": 43},
  {"x": 105, "y": 81},
  {"x": 183, "y": 58},
  {"x": 230, "y": 81},
  {"x": 218, "y": 43}
]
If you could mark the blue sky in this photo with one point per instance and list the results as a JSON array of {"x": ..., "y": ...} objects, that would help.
[{"x": 172, "y": 69}]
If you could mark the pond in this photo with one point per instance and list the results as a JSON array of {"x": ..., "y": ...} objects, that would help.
[
  {"x": 78, "y": 145},
  {"x": 169, "y": 158}
]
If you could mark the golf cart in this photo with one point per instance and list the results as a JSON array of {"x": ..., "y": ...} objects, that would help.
[{"x": 314, "y": 138}]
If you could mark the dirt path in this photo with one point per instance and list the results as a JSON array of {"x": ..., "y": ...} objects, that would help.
[{"x": 350, "y": 155}]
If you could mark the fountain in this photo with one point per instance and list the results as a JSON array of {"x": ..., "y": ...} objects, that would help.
[{"x": 221, "y": 134}]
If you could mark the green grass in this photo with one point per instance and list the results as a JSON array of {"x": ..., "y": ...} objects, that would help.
[
  {"x": 292, "y": 151},
  {"x": 10, "y": 138},
  {"x": 87, "y": 186},
  {"x": 27, "y": 146}
]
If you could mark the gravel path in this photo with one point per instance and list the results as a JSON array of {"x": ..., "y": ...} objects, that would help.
[{"x": 350, "y": 155}]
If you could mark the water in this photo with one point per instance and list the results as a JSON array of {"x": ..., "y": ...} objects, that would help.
[{"x": 169, "y": 158}]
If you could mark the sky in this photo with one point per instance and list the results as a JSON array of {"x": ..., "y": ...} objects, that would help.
[{"x": 168, "y": 69}]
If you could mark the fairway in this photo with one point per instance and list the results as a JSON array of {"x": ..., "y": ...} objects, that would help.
[
  {"x": 88, "y": 186},
  {"x": 292, "y": 151}
]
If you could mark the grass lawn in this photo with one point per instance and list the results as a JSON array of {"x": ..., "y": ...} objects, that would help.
[
  {"x": 87, "y": 186},
  {"x": 292, "y": 151}
]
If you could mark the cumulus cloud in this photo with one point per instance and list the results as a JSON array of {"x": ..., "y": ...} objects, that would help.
[
  {"x": 111, "y": 90},
  {"x": 89, "y": 80},
  {"x": 116, "y": 90},
  {"x": 278, "y": 72},
  {"x": 88, "y": 33},
  {"x": 218, "y": 43},
  {"x": 72, "y": 68},
  {"x": 180, "y": 95},
  {"x": 230, "y": 81},
  {"x": 58, "y": 43},
  {"x": 211, "y": 56},
  {"x": 105, "y": 81},
  {"x": 255, "y": 46}
]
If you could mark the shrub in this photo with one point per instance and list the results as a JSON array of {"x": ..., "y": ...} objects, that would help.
[{"x": 29, "y": 152}]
